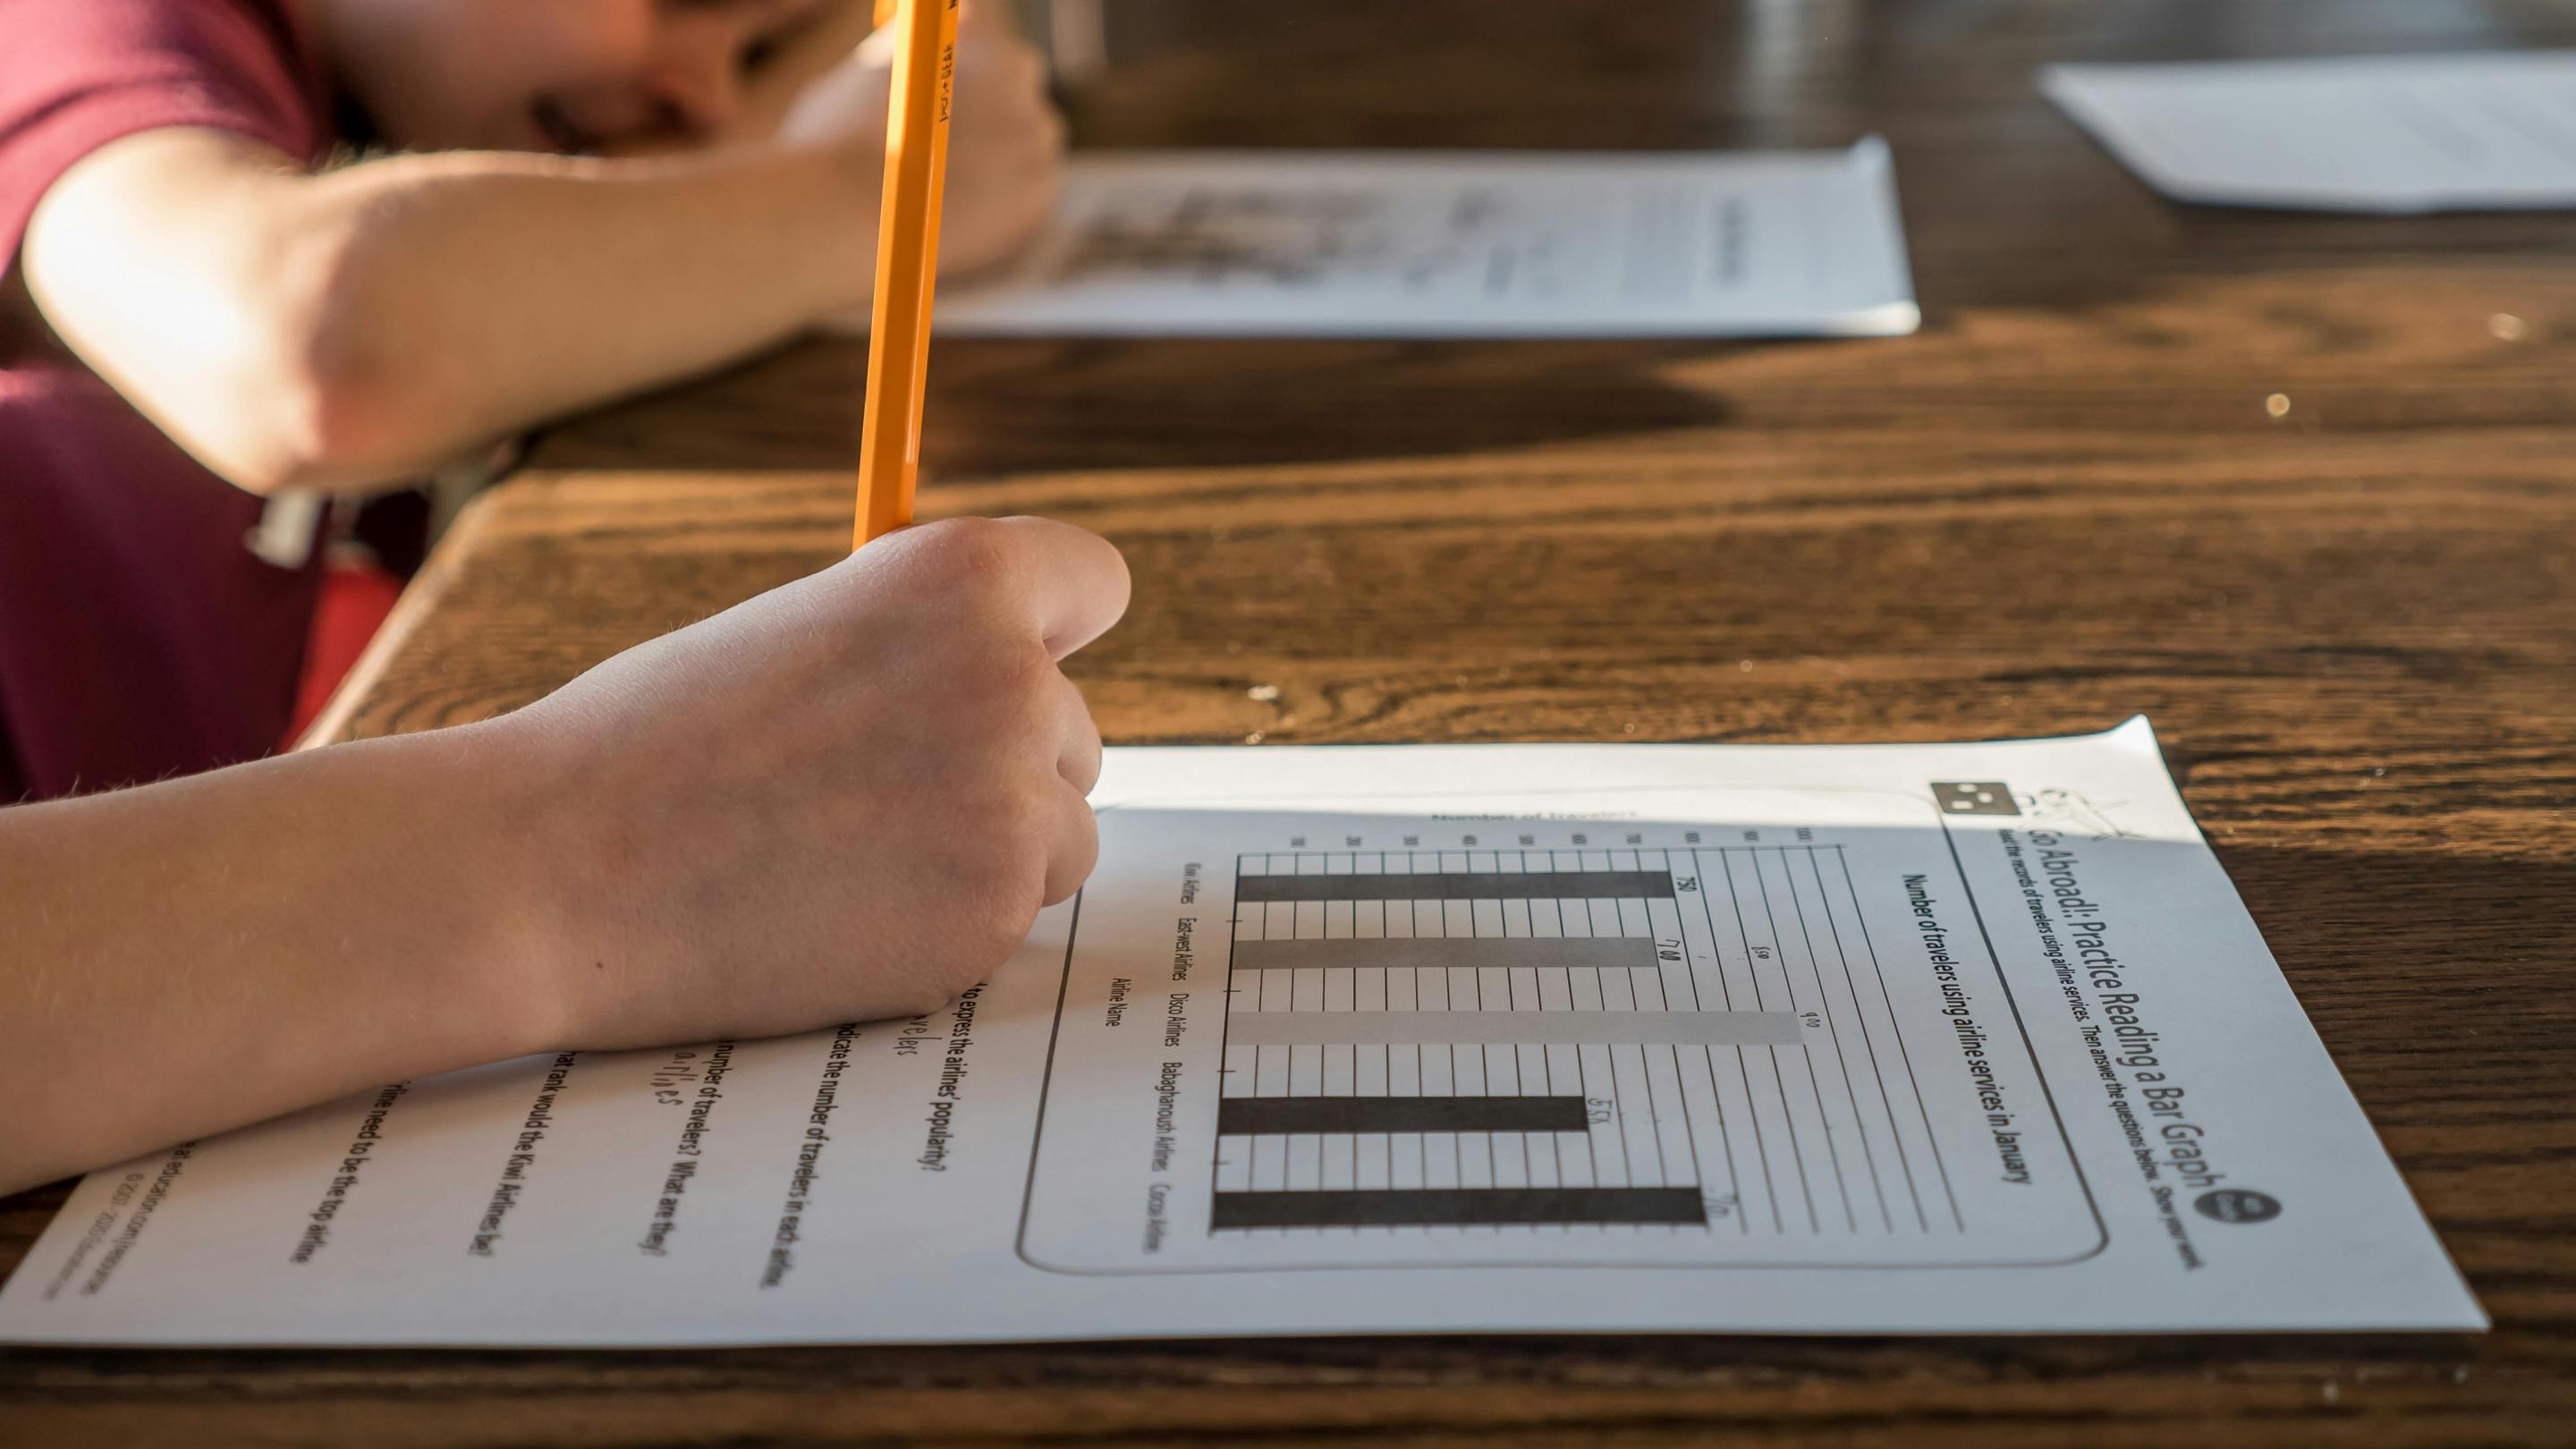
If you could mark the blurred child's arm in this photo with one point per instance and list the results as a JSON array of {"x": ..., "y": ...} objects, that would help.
[
  {"x": 366, "y": 324},
  {"x": 842, "y": 800}
]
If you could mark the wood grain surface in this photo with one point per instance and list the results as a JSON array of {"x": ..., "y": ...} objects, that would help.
[{"x": 2063, "y": 503}]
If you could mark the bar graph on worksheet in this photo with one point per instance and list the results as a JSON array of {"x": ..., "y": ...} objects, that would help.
[
  {"x": 1723, "y": 1046},
  {"x": 1600, "y": 1042}
]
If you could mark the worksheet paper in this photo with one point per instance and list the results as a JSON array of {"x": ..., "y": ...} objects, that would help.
[
  {"x": 1457, "y": 244},
  {"x": 1917, "y": 1038},
  {"x": 2376, "y": 134}
]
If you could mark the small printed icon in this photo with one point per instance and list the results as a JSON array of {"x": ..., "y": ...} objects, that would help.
[
  {"x": 2237, "y": 1205},
  {"x": 1974, "y": 797}
]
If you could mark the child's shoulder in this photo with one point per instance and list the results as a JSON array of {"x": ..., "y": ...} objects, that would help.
[{"x": 76, "y": 78}]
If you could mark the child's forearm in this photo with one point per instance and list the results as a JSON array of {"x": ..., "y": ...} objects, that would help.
[
  {"x": 475, "y": 294},
  {"x": 194, "y": 955},
  {"x": 368, "y": 324},
  {"x": 845, "y": 799}
]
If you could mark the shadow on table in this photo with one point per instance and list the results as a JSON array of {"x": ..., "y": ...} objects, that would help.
[{"x": 1037, "y": 405}]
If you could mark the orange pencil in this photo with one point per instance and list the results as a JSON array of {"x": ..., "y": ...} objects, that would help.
[{"x": 925, "y": 77}]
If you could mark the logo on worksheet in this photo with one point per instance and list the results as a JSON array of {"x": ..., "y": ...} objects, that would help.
[
  {"x": 2066, "y": 809},
  {"x": 1974, "y": 797},
  {"x": 2237, "y": 1205}
]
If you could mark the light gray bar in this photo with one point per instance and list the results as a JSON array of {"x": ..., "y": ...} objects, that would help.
[
  {"x": 1512, "y": 1028},
  {"x": 1403, "y": 953}
]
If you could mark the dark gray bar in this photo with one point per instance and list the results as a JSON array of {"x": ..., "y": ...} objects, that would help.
[
  {"x": 1433, "y": 953},
  {"x": 1272, "y": 1116},
  {"x": 1458, "y": 1207},
  {"x": 1459, "y": 886}
]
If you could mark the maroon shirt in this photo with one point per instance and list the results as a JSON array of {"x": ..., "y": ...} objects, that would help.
[{"x": 139, "y": 637}]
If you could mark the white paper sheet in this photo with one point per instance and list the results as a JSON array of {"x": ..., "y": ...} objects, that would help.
[
  {"x": 1457, "y": 244},
  {"x": 2394, "y": 134},
  {"x": 1922, "y": 1038}
]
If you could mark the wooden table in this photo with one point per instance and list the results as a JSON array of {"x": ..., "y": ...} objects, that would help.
[{"x": 2065, "y": 502}]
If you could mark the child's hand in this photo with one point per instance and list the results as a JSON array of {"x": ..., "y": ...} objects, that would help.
[
  {"x": 845, "y": 799},
  {"x": 1005, "y": 147}
]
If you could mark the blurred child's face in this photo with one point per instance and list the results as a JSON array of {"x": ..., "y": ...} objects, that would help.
[{"x": 549, "y": 75}]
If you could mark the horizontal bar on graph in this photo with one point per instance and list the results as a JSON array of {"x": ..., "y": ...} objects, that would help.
[
  {"x": 1562, "y": 885},
  {"x": 1277, "y": 1116},
  {"x": 1401, "y": 953},
  {"x": 1458, "y": 1207},
  {"x": 1512, "y": 1028}
]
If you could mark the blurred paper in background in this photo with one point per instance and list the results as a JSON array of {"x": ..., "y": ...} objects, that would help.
[{"x": 2400, "y": 134}]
